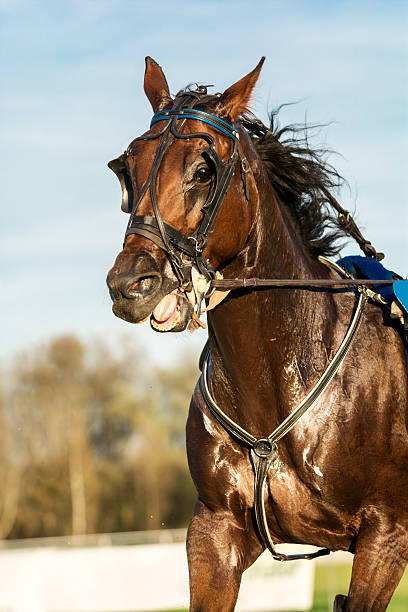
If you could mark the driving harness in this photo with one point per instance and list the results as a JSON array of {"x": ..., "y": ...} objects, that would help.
[{"x": 263, "y": 451}]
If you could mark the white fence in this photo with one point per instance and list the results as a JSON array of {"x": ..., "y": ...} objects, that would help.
[{"x": 116, "y": 572}]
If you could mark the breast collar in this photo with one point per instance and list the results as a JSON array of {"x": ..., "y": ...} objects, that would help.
[{"x": 173, "y": 242}]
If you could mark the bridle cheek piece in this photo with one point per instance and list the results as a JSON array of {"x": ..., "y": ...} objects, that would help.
[{"x": 171, "y": 240}]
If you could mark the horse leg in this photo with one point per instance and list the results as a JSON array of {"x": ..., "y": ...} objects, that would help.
[
  {"x": 217, "y": 551},
  {"x": 379, "y": 562}
]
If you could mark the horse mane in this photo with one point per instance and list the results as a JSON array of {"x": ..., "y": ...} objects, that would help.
[{"x": 302, "y": 179}]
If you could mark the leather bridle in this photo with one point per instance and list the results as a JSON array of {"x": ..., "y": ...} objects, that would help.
[{"x": 171, "y": 240}]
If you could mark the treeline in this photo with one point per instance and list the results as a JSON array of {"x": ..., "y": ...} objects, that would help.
[{"x": 92, "y": 441}]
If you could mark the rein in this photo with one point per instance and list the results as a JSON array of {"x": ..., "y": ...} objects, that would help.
[
  {"x": 217, "y": 289},
  {"x": 247, "y": 283}
]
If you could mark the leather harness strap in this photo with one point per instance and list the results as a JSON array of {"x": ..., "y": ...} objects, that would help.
[
  {"x": 263, "y": 451},
  {"x": 227, "y": 284}
]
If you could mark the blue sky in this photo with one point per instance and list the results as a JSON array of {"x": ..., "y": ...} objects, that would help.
[{"x": 72, "y": 99}]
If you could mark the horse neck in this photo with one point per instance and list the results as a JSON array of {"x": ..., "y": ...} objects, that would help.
[{"x": 264, "y": 341}]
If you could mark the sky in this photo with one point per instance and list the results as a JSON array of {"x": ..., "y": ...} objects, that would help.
[{"x": 72, "y": 99}]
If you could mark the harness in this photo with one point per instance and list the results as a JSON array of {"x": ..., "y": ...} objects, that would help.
[
  {"x": 263, "y": 451},
  {"x": 197, "y": 272}
]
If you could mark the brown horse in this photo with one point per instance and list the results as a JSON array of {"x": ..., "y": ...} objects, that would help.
[{"x": 214, "y": 190}]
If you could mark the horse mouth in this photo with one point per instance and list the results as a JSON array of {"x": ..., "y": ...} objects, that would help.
[
  {"x": 168, "y": 309},
  {"x": 167, "y": 314}
]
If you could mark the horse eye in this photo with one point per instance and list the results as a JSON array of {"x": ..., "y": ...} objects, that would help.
[{"x": 202, "y": 175}]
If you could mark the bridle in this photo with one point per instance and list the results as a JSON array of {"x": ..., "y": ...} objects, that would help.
[{"x": 171, "y": 240}]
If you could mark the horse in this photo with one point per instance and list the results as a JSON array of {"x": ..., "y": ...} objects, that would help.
[{"x": 212, "y": 193}]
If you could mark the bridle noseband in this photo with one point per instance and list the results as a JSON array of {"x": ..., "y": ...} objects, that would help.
[{"x": 171, "y": 240}]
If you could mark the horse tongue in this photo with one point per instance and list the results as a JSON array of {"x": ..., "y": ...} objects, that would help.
[{"x": 166, "y": 307}]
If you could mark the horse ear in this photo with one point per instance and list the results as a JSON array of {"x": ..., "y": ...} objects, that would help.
[
  {"x": 234, "y": 101},
  {"x": 155, "y": 85}
]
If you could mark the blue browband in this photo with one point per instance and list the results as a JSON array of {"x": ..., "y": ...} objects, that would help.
[{"x": 199, "y": 115}]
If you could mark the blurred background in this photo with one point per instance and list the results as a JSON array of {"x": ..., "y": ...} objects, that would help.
[{"x": 85, "y": 398}]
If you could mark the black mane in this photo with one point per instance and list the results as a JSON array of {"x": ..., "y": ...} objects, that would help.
[{"x": 302, "y": 179}]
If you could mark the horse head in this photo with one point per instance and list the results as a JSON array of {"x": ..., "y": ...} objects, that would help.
[{"x": 187, "y": 186}]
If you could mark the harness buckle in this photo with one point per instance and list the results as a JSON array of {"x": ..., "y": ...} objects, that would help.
[
  {"x": 264, "y": 448},
  {"x": 245, "y": 165},
  {"x": 200, "y": 242}
]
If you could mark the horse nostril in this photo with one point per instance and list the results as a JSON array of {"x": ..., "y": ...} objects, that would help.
[{"x": 143, "y": 285}]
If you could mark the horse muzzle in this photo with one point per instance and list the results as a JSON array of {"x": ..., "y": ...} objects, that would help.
[{"x": 139, "y": 291}]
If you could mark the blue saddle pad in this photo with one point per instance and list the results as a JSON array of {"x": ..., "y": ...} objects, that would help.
[{"x": 364, "y": 267}]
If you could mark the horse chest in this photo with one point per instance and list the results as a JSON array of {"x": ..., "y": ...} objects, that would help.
[
  {"x": 298, "y": 509},
  {"x": 289, "y": 489}
]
